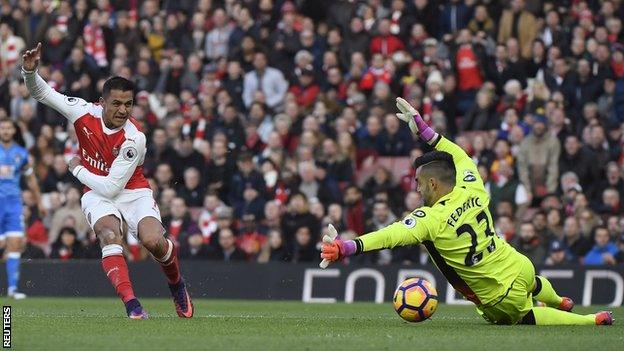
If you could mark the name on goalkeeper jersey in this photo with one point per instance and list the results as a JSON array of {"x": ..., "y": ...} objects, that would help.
[{"x": 468, "y": 204}]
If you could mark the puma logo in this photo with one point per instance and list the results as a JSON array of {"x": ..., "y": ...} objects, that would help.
[{"x": 112, "y": 270}]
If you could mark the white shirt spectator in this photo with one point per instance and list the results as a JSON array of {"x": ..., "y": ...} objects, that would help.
[{"x": 271, "y": 82}]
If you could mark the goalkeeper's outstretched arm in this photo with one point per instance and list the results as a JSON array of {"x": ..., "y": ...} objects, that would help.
[
  {"x": 467, "y": 172},
  {"x": 412, "y": 230}
]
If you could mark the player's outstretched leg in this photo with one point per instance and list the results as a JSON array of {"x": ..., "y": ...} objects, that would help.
[
  {"x": 166, "y": 253},
  {"x": 544, "y": 292},
  {"x": 114, "y": 264},
  {"x": 552, "y": 316},
  {"x": 171, "y": 268}
]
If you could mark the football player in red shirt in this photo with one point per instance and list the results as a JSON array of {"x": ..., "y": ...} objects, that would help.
[{"x": 110, "y": 165}]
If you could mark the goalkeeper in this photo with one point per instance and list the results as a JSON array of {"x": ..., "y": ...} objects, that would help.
[{"x": 456, "y": 227}]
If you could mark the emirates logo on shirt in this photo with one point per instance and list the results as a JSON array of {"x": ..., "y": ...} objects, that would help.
[{"x": 95, "y": 162}]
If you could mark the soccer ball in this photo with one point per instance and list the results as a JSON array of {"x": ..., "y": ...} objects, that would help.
[{"x": 415, "y": 300}]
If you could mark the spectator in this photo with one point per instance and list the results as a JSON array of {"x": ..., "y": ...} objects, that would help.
[
  {"x": 604, "y": 251},
  {"x": 577, "y": 160},
  {"x": 10, "y": 47},
  {"x": 71, "y": 209},
  {"x": 481, "y": 24},
  {"x": 32, "y": 28},
  {"x": 310, "y": 185},
  {"x": 207, "y": 220},
  {"x": 227, "y": 250},
  {"x": 454, "y": 16},
  {"x": 67, "y": 246},
  {"x": 192, "y": 190},
  {"x": 355, "y": 209},
  {"x": 163, "y": 177},
  {"x": 538, "y": 159},
  {"x": 553, "y": 33},
  {"x": 505, "y": 227},
  {"x": 217, "y": 38},
  {"x": 468, "y": 55},
  {"x": 385, "y": 43},
  {"x": 179, "y": 224},
  {"x": 32, "y": 252},
  {"x": 338, "y": 165},
  {"x": 304, "y": 249},
  {"x": 394, "y": 140},
  {"x": 482, "y": 115},
  {"x": 194, "y": 248},
  {"x": 246, "y": 177},
  {"x": 577, "y": 245},
  {"x": 586, "y": 86},
  {"x": 560, "y": 78},
  {"x": 219, "y": 170},
  {"x": 516, "y": 22},
  {"x": 272, "y": 216},
  {"x": 274, "y": 249},
  {"x": 557, "y": 254},
  {"x": 250, "y": 240},
  {"x": 529, "y": 244},
  {"x": 504, "y": 186},
  {"x": 58, "y": 177},
  {"x": 610, "y": 203},
  {"x": 298, "y": 215},
  {"x": 307, "y": 90},
  {"x": 613, "y": 179},
  {"x": 382, "y": 217},
  {"x": 268, "y": 80},
  {"x": 356, "y": 38}
]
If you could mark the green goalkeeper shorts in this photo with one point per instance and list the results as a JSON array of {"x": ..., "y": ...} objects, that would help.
[{"x": 518, "y": 300}]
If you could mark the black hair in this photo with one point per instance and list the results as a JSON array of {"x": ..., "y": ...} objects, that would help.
[
  {"x": 439, "y": 163},
  {"x": 117, "y": 83}
]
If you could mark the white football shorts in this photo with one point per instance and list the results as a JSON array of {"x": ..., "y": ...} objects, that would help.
[{"x": 131, "y": 206}]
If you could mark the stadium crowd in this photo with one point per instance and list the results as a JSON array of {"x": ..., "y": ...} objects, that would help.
[{"x": 268, "y": 119}]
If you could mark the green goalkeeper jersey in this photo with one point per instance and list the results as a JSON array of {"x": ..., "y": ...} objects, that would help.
[{"x": 458, "y": 232}]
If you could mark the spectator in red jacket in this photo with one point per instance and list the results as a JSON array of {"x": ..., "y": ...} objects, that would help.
[
  {"x": 306, "y": 91},
  {"x": 384, "y": 42}
]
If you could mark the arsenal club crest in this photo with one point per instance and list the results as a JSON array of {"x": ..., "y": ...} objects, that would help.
[{"x": 115, "y": 151}]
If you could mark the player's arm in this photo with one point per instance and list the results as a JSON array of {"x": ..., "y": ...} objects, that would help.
[
  {"x": 412, "y": 230},
  {"x": 467, "y": 172},
  {"x": 70, "y": 107},
  {"x": 131, "y": 155}
]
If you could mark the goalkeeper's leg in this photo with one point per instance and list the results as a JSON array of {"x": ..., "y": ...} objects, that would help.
[
  {"x": 557, "y": 309},
  {"x": 553, "y": 316},
  {"x": 543, "y": 291}
]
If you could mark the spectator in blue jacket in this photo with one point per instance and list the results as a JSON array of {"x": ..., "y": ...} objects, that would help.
[{"x": 604, "y": 251}]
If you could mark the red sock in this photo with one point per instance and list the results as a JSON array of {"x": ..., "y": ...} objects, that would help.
[
  {"x": 170, "y": 265},
  {"x": 116, "y": 270}
]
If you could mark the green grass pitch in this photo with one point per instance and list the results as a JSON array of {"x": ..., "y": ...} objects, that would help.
[{"x": 99, "y": 324}]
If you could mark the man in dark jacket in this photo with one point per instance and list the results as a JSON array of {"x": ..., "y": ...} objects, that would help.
[
  {"x": 578, "y": 160},
  {"x": 529, "y": 244}
]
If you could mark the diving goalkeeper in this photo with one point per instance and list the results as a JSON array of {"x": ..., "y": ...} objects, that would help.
[{"x": 456, "y": 227}]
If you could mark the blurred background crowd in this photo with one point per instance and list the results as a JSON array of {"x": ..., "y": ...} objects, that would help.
[{"x": 268, "y": 119}]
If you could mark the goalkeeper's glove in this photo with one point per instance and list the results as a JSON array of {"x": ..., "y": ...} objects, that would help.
[
  {"x": 334, "y": 249},
  {"x": 415, "y": 122}
]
